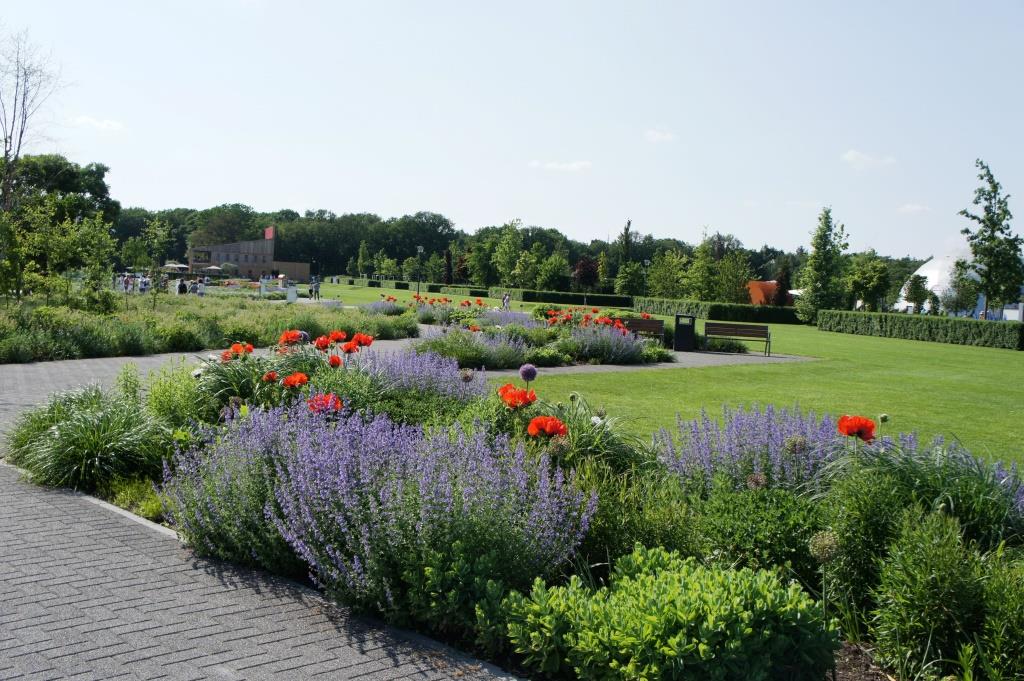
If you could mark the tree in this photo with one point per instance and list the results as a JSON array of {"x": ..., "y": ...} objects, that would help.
[
  {"x": 995, "y": 248},
  {"x": 352, "y": 269},
  {"x": 869, "y": 280},
  {"x": 433, "y": 268},
  {"x": 665, "y": 275},
  {"x": 624, "y": 244},
  {"x": 962, "y": 295},
  {"x": 916, "y": 292},
  {"x": 731, "y": 278},
  {"x": 553, "y": 273},
  {"x": 26, "y": 82},
  {"x": 364, "y": 263},
  {"x": 506, "y": 253},
  {"x": 630, "y": 279},
  {"x": 411, "y": 268},
  {"x": 224, "y": 224},
  {"x": 821, "y": 277},
  {"x": 524, "y": 274},
  {"x": 699, "y": 279},
  {"x": 585, "y": 275},
  {"x": 604, "y": 272},
  {"x": 783, "y": 283}
]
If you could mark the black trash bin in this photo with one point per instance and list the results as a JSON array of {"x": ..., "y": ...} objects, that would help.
[{"x": 685, "y": 336}]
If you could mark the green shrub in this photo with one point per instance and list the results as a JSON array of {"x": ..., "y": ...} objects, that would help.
[
  {"x": 137, "y": 495},
  {"x": 961, "y": 331},
  {"x": 760, "y": 528},
  {"x": 644, "y": 507},
  {"x": 20, "y": 347},
  {"x": 174, "y": 395},
  {"x": 563, "y": 297},
  {"x": 665, "y": 617},
  {"x": 179, "y": 336},
  {"x": 723, "y": 312},
  {"x": 593, "y": 435},
  {"x": 91, "y": 438},
  {"x": 931, "y": 597},
  {"x": 546, "y": 356},
  {"x": 1001, "y": 645},
  {"x": 464, "y": 291}
]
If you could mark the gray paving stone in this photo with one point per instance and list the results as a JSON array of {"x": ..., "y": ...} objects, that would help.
[{"x": 89, "y": 594}]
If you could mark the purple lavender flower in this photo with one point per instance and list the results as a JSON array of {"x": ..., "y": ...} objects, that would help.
[
  {"x": 428, "y": 371},
  {"x": 528, "y": 372}
]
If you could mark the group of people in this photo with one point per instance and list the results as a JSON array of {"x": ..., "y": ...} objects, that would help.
[
  {"x": 314, "y": 288},
  {"x": 195, "y": 286},
  {"x": 132, "y": 283}
]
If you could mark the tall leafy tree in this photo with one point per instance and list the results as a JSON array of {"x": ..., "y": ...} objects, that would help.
[
  {"x": 624, "y": 244},
  {"x": 699, "y": 279},
  {"x": 916, "y": 292},
  {"x": 783, "y": 283},
  {"x": 732, "y": 275},
  {"x": 553, "y": 273},
  {"x": 961, "y": 297},
  {"x": 524, "y": 274},
  {"x": 604, "y": 271},
  {"x": 630, "y": 279},
  {"x": 665, "y": 275},
  {"x": 585, "y": 275},
  {"x": 869, "y": 279},
  {"x": 821, "y": 277},
  {"x": 996, "y": 250},
  {"x": 506, "y": 253},
  {"x": 364, "y": 262}
]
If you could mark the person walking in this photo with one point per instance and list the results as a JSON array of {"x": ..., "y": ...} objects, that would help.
[
  {"x": 201, "y": 288},
  {"x": 316, "y": 289}
]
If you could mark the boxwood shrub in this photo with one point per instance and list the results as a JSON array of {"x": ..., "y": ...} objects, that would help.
[
  {"x": 464, "y": 291},
  {"x": 663, "y": 617},
  {"x": 724, "y": 312},
  {"x": 958, "y": 330}
]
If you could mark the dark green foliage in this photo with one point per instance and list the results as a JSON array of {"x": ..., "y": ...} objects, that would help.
[
  {"x": 760, "y": 528},
  {"x": 464, "y": 291},
  {"x": 931, "y": 596},
  {"x": 663, "y": 617},
  {"x": 546, "y": 356},
  {"x": 723, "y": 312},
  {"x": 1008, "y": 335},
  {"x": 563, "y": 297},
  {"x": 1001, "y": 644}
]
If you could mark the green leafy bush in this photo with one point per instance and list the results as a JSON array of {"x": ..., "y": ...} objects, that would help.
[
  {"x": 665, "y": 617},
  {"x": 931, "y": 597},
  {"x": 546, "y": 356},
  {"x": 961, "y": 331},
  {"x": 723, "y": 312},
  {"x": 174, "y": 395},
  {"x": 137, "y": 495},
  {"x": 1001, "y": 645},
  {"x": 86, "y": 438},
  {"x": 760, "y": 528}
]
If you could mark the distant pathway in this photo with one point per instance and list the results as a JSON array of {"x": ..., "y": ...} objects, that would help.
[{"x": 87, "y": 593}]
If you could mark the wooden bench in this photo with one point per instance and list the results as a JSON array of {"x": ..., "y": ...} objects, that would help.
[
  {"x": 732, "y": 331},
  {"x": 655, "y": 328}
]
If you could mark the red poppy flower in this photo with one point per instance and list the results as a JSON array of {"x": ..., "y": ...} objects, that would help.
[
  {"x": 322, "y": 343},
  {"x": 319, "y": 404},
  {"x": 363, "y": 340},
  {"x": 249, "y": 347},
  {"x": 594, "y": 310},
  {"x": 337, "y": 336},
  {"x": 857, "y": 426},
  {"x": 514, "y": 397},
  {"x": 290, "y": 337},
  {"x": 350, "y": 347},
  {"x": 479, "y": 302},
  {"x": 474, "y": 328},
  {"x": 226, "y": 356},
  {"x": 270, "y": 377},
  {"x": 546, "y": 425},
  {"x": 334, "y": 361},
  {"x": 644, "y": 315},
  {"x": 295, "y": 380}
]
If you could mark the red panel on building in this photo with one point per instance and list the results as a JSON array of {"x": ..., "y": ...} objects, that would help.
[{"x": 268, "y": 233}]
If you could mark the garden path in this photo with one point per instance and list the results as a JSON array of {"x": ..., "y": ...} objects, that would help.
[{"x": 88, "y": 593}]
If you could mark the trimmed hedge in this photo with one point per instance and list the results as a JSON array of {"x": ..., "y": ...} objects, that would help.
[
  {"x": 724, "y": 312},
  {"x": 956, "y": 330},
  {"x": 464, "y": 291},
  {"x": 563, "y": 297}
]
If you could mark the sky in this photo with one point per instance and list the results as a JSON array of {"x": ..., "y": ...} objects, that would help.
[{"x": 739, "y": 117}]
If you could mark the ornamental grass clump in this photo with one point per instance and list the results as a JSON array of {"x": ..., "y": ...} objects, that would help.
[
  {"x": 788, "y": 447},
  {"x": 427, "y": 530}
]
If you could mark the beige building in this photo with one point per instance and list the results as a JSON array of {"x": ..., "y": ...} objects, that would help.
[{"x": 250, "y": 259}]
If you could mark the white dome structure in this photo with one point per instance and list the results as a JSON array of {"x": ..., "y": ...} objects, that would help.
[{"x": 938, "y": 273}]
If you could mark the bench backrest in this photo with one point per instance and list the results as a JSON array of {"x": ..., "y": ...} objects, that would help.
[
  {"x": 736, "y": 330},
  {"x": 644, "y": 325}
]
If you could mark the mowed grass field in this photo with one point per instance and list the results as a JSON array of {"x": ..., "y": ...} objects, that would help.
[{"x": 974, "y": 395}]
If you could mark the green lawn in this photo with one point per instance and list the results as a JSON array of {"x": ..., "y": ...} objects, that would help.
[{"x": 975, "y": 395}]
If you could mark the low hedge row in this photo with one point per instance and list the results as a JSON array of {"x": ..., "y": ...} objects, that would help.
[
  {"x": 725, "y": 312},
  {"x": 464, "y": 291},
  {"x": 957, "y": 330},
  {"x": 563, "y": 297}
]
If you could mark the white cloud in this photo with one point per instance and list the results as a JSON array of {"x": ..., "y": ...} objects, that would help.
[
  {"x": 912, "y": 208},
  {"x": 863, "y": 161},
  {"x": 659, "y": 135},
  {"x": 562, "y": 166},
  {"x": 106, "y": 125}
]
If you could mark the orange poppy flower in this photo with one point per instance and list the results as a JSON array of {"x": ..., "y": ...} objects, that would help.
[
  {"x": 270, "y": 377},
  {"x": 296, "y": 380},
  {"x": 334, "y": 361},
  {"x": 857, "y": 426},
  {"x": 546, "y": 425}
]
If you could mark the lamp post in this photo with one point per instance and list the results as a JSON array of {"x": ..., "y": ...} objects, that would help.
[{"x": 419, "y": 268}]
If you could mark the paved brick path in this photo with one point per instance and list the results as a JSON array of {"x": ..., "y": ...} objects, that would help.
[{"x": 86, "y": 593}]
